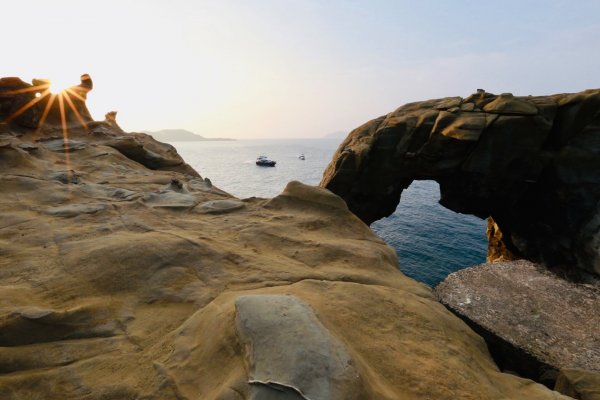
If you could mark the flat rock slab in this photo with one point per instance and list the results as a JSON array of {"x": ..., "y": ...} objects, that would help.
[
  {"x": 219, "y": 206},
  {"x": 62, "y": 145},
  {"x": 289, "y": 353},
  {"x": 554, "y": 320},
  {"x": 171, "y": 200},
  {"x": 73, "y": 210}
]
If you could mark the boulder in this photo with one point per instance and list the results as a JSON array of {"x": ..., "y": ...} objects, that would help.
[
  {"x": 531, "y": 164},
  {"x": 513, "y": 305}
]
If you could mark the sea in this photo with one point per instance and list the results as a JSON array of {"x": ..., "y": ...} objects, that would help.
[{"x": 430, "y": 240}]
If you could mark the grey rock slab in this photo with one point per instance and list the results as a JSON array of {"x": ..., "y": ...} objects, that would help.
[
  {"x": 169, "y": 199},
  {"x": 72, "y": 210},
  {"x": 62, "y": 145},
  {"x": 28, "y": 147},
  {"x": 65, "y": 177},
  {"x": 553, "y": 319},
  {"x": 219, "y": 206},
  {"x": 33, "y": 312},
  {"x": 107, "y": 192},
  {"x": 290, "y": 353}
]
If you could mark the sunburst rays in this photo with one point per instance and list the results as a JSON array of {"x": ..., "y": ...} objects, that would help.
[
  {"x": 65, "y": 131},
  {"x": 41, "y": 91},
  {"x": 44, "y": 90},
  {"x": 45, "y": 113},
  {"x": 66, "y": 94},
  {"x": 28, "y": 105}
]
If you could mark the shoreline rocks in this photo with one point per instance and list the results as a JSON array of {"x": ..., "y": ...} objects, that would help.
[{"x": 534, "y": 322}]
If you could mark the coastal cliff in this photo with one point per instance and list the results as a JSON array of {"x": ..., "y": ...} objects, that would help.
[
  {"x": 531, "y": 164},
  {"x": 124, "y": 274}
]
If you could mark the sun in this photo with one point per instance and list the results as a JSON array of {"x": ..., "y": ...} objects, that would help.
[{"x": 59, "y": 85}]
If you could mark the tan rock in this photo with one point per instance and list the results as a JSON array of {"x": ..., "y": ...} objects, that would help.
[
  {"x": 508, "y": 104},
  {"x": 579, "y": 384},
  {"x": 138, "y": 298},
  {"x": 467, "y": 126}
]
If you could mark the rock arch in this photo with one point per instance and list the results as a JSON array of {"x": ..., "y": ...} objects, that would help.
[{"x": 531, "y": 164}]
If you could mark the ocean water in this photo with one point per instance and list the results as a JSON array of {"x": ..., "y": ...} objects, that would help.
[{"x": 431, "y": 241}]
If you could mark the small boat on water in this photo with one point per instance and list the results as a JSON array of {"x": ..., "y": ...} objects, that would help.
[
  {"x": 264, "y": 161},
  {"x": 301, "y": 156}
]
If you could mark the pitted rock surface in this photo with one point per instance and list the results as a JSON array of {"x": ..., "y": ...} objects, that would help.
[
  {"x": 517, "y": 302},
  {"x": 288, "y": 349}
]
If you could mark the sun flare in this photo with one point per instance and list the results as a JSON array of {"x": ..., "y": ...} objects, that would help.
[{"x": 58, "y": 85}]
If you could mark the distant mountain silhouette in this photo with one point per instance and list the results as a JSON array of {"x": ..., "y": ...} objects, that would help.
[
  {"x": 178, "y": 135},
  {"x": 337, "y": 135}
]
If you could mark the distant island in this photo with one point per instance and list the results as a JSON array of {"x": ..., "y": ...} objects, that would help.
[{"x": 179, "y": 135}]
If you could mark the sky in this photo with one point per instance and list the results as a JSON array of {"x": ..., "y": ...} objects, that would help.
[{"x": 296, "y": 68}]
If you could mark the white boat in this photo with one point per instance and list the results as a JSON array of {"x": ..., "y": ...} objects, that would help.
[
  {"x": 301, "y": 156},
  {"x": 264, "y": 161}
]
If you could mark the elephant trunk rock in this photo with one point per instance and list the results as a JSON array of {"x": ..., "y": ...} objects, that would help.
[{"x": 531, "y": 164}]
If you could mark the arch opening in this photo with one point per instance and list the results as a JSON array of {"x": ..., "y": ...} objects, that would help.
[{"x": 432, "y": 241}]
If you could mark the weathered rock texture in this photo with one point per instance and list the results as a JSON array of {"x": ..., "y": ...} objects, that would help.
[
  {"x": 279, "y": 331},
  {"x": 124, "y": 275},
  {"x": 530, "y": 163},
  {"x": 579, "y": 384},
  {"x": 514, "y": 306}
]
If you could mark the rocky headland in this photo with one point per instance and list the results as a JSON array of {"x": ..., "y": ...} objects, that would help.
[
  {"x": 126, "y": 275},
  {"x": 531, "y": 165}
]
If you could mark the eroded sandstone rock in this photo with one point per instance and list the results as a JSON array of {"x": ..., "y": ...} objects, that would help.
[
  {"x": 532, "y": 164},
  {"x": 579, "y": 384},
  {"x": 105, "y": 293}
]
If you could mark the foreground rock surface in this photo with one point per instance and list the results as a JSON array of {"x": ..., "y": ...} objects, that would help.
[
  {"x": 280, "y": 331},
  {"x": 514, "y": 306},
  {"x": 531, "y": 163},
  {"x": 114, "y": 285}
]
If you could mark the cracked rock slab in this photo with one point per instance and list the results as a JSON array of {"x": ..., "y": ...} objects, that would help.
[
  {"x": 219, "y": 206},
  {"x": 73, "y": 210},
  {"x": 289, "y": 353},
  {"x": 542, "y": 322}
]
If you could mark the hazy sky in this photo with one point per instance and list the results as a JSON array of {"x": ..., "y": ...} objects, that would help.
[{"x": 296, "y": 68}]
